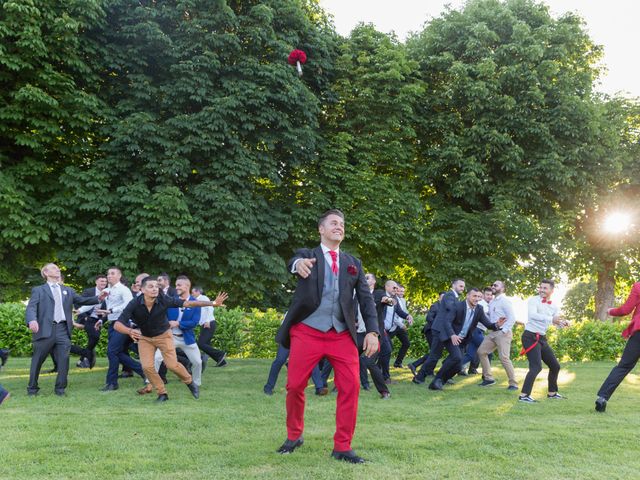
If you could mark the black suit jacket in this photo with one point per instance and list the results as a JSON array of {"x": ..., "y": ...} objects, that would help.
[
  {"x": 450, "y": 322},
  {"x": 431, "y": 316},
  {"x": 381, "y": 308},
  {"x": 306, "y": 298}
]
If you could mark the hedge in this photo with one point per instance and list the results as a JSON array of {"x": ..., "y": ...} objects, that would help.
[{"x": 250, "y": 334}]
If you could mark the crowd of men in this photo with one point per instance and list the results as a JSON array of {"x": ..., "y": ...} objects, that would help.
[{"x": 150, "y": 320}]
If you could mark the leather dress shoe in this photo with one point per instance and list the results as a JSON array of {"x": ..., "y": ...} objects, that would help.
[
  {"x": 436, "y": 384},
  {"x": 322, "y": 391},
  {"x": 109, "y": 387},
  {"x": 163, "y": 397},
  {"x": 195, "y": 390},
  {"x": 148, "y": 388},
  {"x": 417, "y": 381},
  {"x": 289, "y": 446},
  {"x": 267, "y": 391},
  {"x": 348, "y": 456},
  {"x": 601, "y": 404},
  {"x": 60, "y": 393},
  {"x": 4, "y": 354}
]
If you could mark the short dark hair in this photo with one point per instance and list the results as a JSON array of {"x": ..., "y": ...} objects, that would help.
[
  {"x": 144, "y": 281},
  {"x": 98, "y": 277},
  {"x": 198, "y": 288},
  {"x": 165, "y": 275},
  {"x": 115, "y": 268},
  {"x": 456, "y": 280},
  {"x": 183, "y": 277},
  {"x": 549, "y": 282},
  {"x": 333, "y": 211},
  {"x": 487, "y": 289},
  {"x": 473, "y": 289}
]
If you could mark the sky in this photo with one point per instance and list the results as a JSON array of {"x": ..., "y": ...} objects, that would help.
[{"x": 611, "y": 23}]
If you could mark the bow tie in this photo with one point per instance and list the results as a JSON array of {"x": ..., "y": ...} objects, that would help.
[{"x": 544, "y": 300}]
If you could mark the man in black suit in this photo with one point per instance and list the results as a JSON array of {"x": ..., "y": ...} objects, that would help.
[
  {"x": 387, "y": 307},
  {"x": 452, "y": 329},
  {"x": 446, "y": 306},
  {"x": 321, "y": 323},
  {"x": 87, "y": 319},
  {"x": 164, "y": 283},
  {"x": 50, "y": 319},
  {"x": 426, "y": 331}
]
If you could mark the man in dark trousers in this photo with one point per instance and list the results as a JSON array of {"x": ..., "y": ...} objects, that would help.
[
  {"x": 447, "y": 305},
  {"x": 452, "y": 329},
  {"x": 426, "y": 331},
  {"x": 88, "y": 317},
  {"x": 321, "y": 322},
  {"x": 388, "y": 309},
  {"x": 50, "y": 319}
]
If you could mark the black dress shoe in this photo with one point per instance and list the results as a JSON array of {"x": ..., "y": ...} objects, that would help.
[
  {"x": 289, "y": 446},
  {"x": 397, "y": 365},
  {"x": 109, "y": 387},
  {"x": 4, "y": 354},
  {"x": 436, "y": 384},
  {"x": 267, "y": 391},
  {"x": 60, "y": 393},
  {"x": 322, "y": 391},
  {"x": 601, "y": 404},
  {"x": 195, "y": 390},
  {"x": 417, "y": 381},
  {"x": 348, "y": 456},
  {"x": 473, "y": 371},
  {"x": 413, "y": 369},
  {"x": 163, "y": 397}
]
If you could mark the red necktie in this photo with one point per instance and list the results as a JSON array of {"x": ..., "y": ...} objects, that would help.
[{"x": 334, "y": 261}]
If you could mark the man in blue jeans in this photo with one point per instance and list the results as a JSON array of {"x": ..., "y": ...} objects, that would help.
[{"x": 281, "y": 358}]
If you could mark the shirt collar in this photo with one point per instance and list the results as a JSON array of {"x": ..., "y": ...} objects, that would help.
[
  {"x": 119, "y": 284},
  {"x": 499, "y": 296},
  {"x": 51, "y": 284},
  {"x": 455, "y": 293},
  {"x": 326, "y": 249}
]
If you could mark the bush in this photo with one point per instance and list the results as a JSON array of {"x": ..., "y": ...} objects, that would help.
[{"x": 251, "y": 334}]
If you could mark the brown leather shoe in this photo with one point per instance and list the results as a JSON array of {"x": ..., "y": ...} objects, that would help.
[
  {"x": 148, "y": 388},
  {"x": 322, "y": 391}
]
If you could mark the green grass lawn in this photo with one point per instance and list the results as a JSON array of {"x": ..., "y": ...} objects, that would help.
[{"x": 465, "y": 432}]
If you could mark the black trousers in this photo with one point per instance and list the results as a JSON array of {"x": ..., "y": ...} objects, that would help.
[
  {"x": 404, "y": 345},
  {"x": 60, "y": 343},
  {"x": 630, "y": 357},
  {"x": 204, "y": 342},
  {"x": 93, "y": 337},
  {"x": 429, "y": 338},
  {"x": 542, "y": 352},
  {"x": 371, "y": 364},
  {"x": 436, "y": 347},
  {"x": 453, "y": 363}
]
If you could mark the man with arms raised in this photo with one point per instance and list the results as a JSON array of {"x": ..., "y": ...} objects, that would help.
[{"x": 321, "y": 323}]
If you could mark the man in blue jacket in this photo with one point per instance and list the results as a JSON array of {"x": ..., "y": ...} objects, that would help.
[{"x": 183, "y": 321}]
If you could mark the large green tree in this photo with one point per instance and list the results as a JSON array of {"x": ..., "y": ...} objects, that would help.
[
  {"x": 204, "y": 125},
  {"x": 509, "y": 131},
  {"x": 48, "y": 114}
]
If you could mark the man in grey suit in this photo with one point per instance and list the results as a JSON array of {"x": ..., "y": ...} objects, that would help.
[{"x": 50, "y": 320}]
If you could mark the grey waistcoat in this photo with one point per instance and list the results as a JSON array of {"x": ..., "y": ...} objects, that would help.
[{"x": 329, "y": 313}]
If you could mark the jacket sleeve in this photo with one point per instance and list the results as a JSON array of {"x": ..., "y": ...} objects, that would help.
[
  {"x": 78, "y": 300},
  {"x": 633, "y": 300},
  {"x": 482, "y": 318},
  {"x": 32, "y": 307},
  {"x": 300, "y": 253}
]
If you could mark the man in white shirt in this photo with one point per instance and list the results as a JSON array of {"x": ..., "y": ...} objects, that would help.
[
  {"x": 542, "y": 313},
  {"x": 118, "y": 344},
  {"x": 499, "y": 307}
]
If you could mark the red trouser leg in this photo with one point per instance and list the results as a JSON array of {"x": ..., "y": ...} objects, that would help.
[
  {"x": 307, "y": 349},
  {"x": 343, "y": 355}
]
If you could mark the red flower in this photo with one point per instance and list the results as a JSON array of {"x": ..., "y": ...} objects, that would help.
[
  {"x": 297, "y": 56},
  {"x": 353, "y": 270}
]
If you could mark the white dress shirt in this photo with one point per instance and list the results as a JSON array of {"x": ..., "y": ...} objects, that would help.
[
  {"x": 119, "y": 297},
  {"x": 540, "y": 315},
  {"x": 206, "y": 313},
  {"x": 500, "y": 307}
]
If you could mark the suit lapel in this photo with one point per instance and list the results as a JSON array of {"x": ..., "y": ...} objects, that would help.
[
  {"x": 47, "y": 289},
  {"x": 320, "y": 263},
  {"x": 342, "y": 275}
]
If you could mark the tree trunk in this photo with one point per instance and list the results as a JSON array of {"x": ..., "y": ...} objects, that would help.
[{"x": 605, "y": 293}]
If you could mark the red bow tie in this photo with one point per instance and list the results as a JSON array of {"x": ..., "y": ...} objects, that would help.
[{"x": 544, "y": 300}]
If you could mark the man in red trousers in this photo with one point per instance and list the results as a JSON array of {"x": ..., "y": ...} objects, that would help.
[{"x": 321, "y": 323}]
